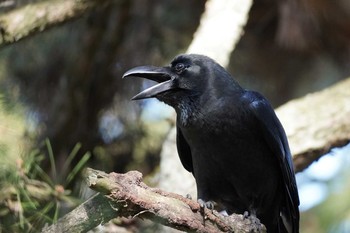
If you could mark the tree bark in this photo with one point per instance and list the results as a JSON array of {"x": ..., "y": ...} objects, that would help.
[
  {"x": 36, "y": 17},
  {"x": 126, "y": 195}
]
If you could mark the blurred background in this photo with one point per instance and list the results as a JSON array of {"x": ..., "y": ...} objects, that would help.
[{"x": 64, "y": 106}]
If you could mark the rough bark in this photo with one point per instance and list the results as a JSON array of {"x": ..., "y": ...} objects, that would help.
[
  {"x": 36, "y": 17},
  {"x": 126, "y": 195}
]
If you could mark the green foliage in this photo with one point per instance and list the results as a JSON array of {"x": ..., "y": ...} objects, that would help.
[{"x": 29, "y": 197}]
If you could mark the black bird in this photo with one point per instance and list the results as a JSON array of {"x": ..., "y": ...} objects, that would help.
[{"x": 229, "y": 138}]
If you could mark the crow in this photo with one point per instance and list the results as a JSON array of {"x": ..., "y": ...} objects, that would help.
[{"x": 229, "y": 138}]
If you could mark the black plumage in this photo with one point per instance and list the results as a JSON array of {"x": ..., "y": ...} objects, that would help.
[{"x": 229, "y": 138}]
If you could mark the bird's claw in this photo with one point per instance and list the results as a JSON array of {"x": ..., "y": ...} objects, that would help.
[
  {"x": 255, "y": 222},
  {"x": 188, "y": 196},
  {"x": 206, "y": 204}
]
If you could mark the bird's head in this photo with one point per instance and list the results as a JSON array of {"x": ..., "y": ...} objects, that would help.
[{"x": 187, "y": 77}]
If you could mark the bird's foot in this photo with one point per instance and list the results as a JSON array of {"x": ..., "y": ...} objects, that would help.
[
  {"x": 255, "y": 222},
  {"x": 206, "y": 204},
  {"x": 252, "y": 217},
  {"x": 188, "y": 196}
]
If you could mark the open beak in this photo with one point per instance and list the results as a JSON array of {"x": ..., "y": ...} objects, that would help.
[{"x": 162, "y": 75}]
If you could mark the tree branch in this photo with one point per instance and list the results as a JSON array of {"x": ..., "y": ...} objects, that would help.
[
  {"x": 36, "y": 17},
  {"x": 126, "y": 195},
  {"x": 316, "y": 123}
]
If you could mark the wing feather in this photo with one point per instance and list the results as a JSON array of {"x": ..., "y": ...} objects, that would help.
[
  {"x": 277, "y": 140},
  {"x": 183, "y": 150}
]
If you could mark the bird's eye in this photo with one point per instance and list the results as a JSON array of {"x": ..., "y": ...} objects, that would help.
[{"x": 179, "y": 67}]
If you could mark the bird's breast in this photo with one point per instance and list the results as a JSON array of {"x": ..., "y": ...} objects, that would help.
[{"x": 228, "y": 151}]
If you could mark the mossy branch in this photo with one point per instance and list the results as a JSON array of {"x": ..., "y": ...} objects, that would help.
[{"x": 36, "y": 17}]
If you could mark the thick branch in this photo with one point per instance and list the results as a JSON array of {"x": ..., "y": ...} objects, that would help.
[
  {"x": 317, "y": 123},
  {"x": 126, "y": 195},
  {"x": 36, "y": 17}
]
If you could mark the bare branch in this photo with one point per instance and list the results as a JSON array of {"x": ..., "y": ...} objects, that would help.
[{"x": 126, "y": 195}]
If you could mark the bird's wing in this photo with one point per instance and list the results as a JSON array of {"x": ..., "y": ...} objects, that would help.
[
  {"x": 184, "y": 150},
  {"x": 277, "y": 140}
]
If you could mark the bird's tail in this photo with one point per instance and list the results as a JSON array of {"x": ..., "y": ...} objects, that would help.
[{"x": 288, "y": 223}]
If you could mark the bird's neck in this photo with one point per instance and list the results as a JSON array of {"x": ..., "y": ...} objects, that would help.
[{"x": 187, "y": 111}]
